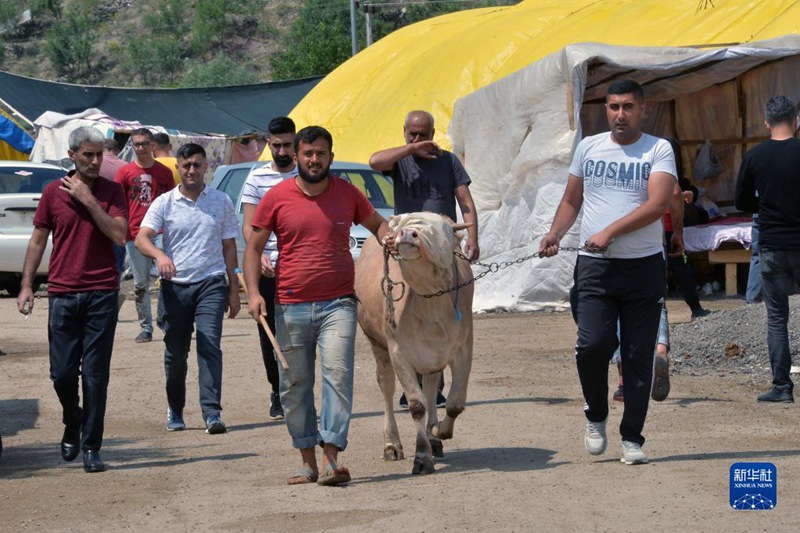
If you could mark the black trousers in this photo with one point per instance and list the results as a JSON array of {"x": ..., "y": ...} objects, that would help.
[
  {"x": 266, "y": 286},
  {"x": 81, "y": 327},
  {"x": 683, "y": 273},
  {"x": 630, "y": 291}
]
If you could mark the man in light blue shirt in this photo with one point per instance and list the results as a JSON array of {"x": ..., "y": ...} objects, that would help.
[{"x": 199, "y": 228}]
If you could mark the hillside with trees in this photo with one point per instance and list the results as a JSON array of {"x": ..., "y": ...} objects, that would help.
[{"x": 195, "y": 43}]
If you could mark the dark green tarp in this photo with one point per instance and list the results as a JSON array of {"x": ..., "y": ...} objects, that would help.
[{"x": 223, "y": 110}]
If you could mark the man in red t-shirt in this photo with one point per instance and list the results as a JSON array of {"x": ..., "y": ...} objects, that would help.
[
  {"x": 143, "y": 180},
  {"x": 86, "y": 215},
  {"x": 315, "y": 309}
]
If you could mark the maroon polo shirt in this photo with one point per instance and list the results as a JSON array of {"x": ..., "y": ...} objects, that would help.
[{"x": 83, "y": 258}]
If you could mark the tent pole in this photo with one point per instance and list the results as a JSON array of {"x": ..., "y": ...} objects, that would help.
[
  {"x": 368, "y": 12},
  {"x": 353, "y": 36}
]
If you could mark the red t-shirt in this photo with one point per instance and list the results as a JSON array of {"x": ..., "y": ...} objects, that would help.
[
  {"x": 141, "y": 186},
  {"x": 83, "y": 258},
  {"x": 313, "y": 235}
]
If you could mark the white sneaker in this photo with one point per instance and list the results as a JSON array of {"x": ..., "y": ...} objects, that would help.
[
  {"x": 595, "y": 438},
  {"x": 632, "y": 453}
]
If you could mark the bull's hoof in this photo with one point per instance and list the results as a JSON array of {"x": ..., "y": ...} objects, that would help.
[
  {"x": 438, "y": 449},
  {"x": 423, "y": 466},
  {"x": 391, "y": 453},
  {"x": 439, "y": 431}
]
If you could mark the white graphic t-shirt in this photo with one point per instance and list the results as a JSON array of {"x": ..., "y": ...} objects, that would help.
[{"x": 615, "y": 179}]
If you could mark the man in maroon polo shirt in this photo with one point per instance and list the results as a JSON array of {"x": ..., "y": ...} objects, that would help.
[{"x": 86, "y": 215}]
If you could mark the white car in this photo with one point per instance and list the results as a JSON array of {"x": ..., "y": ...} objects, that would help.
[
  {"x": 375, "y": 186},
  {"x": 21, "y": 185}
]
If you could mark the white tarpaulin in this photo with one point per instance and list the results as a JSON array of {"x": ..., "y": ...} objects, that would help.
[{"x": 517, "y": 137}]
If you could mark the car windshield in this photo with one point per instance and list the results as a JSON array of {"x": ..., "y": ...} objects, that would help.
[
  {"x": 375, "y": 186},
  {"x": 26, "y": 180}
]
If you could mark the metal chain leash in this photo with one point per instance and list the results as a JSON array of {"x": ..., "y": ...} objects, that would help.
[
  {"x": 387, "y": 284},
  {"x": 496, "y": 267}
]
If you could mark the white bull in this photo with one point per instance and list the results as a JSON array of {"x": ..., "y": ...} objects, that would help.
[{"x": 418, "y": 335}]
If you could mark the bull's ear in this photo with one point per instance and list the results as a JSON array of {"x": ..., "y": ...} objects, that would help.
[{"x": 459, "y": 227}]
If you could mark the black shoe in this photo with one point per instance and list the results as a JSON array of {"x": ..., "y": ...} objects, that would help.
[
  {"x": 403, "y": 402},
  {"x": 441, "y": 401},
  {"x": 92, "y": 462},
  {"x": 71, "y": 443},
  {"x": 144, "y": 336},
  {"x": 700, "y": 313},
  {"x": 275, "y": 407},
  {"x": 775, "y": 395}
]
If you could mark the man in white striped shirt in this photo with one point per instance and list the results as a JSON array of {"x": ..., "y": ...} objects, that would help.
[{"x": 259, "y": 181}]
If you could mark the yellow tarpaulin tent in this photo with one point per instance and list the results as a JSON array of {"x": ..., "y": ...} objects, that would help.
[{"x": 433, "y": 63}]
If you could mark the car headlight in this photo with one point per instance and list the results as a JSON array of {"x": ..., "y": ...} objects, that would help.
[{"x": 353, "y": 243}]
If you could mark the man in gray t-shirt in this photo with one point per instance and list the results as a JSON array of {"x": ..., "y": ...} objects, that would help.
[
  {"x": 427, "y": 178},
  {"x": 623, "y": 181}
]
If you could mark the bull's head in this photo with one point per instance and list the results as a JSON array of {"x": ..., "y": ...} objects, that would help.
[{"x": 426, "y": 235}]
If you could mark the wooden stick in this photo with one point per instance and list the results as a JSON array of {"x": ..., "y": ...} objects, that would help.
[{"x": 263, "y": 320}]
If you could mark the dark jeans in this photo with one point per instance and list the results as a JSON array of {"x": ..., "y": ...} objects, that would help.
[
  {"x": 630, "y": 291},
  {"x": 119, "y": 253},
  {"x": 80, "y": 331},
  {"x": 266, "y": 286},
  {"x": 184, "y": 306},
  {"x": 780, "y": 277},
  {"x": 683, "y": 273},
  {"x": 753, "y": 292}
]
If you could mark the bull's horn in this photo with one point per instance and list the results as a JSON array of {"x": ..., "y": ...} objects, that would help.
[{"x": 459, "y": 227}]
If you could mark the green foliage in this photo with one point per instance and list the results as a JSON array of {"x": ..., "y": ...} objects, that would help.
[
  {"x": 168, "y": 17},
  {"x": 39, "y": 7},
  {"x": 220, "y": 71},
  {"x": 214, "y": 23},
  {"x": 318, "y": 42},
  {"x": 320, "y": 39},
  {"x": 69, "y": 46},
  {"x": 154, "y": 61}
]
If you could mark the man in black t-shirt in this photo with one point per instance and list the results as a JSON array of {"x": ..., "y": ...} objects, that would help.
[{"x": 769, "y": 184}]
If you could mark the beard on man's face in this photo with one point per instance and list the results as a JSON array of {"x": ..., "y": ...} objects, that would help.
[
  {"x": 283, "y": 160},
  {"x": 306, "y": 176}
]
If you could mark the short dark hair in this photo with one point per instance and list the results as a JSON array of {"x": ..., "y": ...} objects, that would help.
[
  {"x": 161, "y": 139},
  {"x": 626, "y": 87},
  {"x": 111, "y": 145},
  {"x": 780, "y": 110},
  {"x": 142, "y": 132},
  {"x": 189, "y": 149},
  {"x": 309, "y": 134},
  {"x": 279, "y": 125}
]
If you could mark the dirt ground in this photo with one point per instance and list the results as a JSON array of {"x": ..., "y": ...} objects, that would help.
[{"x": 516, "y": 462}]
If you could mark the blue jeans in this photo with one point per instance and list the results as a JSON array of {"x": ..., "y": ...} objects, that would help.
[
  {"x": 185, "y": 305},
  {"x": 753, "y": 292},
  {"x": 80, "y": 332},
  {"x": 301, "y": 330},
  {"x": 140, "y": 266},
  {"x": 780, "y": 277}
]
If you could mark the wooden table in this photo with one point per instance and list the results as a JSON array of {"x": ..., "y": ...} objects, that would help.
[{"x": 730, "y": 256}]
